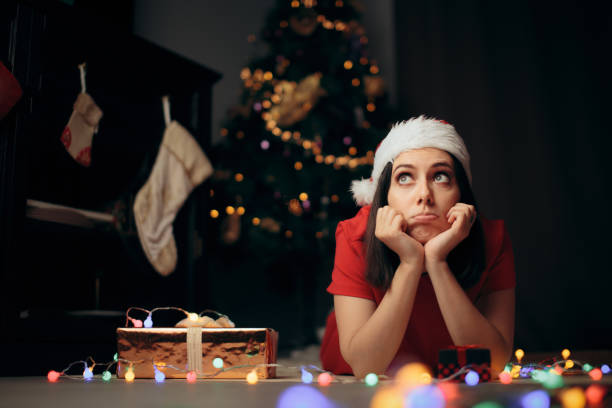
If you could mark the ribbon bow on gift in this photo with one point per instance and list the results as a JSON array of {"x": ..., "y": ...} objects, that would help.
[{"x": 461, "y": 352}]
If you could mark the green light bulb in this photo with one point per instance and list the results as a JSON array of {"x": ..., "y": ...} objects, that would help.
[
  {"x": 106, "y": 376},
  {"x": 371, "y": 379}
]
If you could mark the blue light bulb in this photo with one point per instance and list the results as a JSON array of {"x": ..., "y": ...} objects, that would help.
[
  {"x": 159, "y": 376},
  {"x": 536, "y": 399},
  {"x": 87, "y": 373},
  {"x": 472, "y": 378},
  {"x": 148, "y": 323},
  {"x": 427, "y": 396},
  {"x": 306, "y": 376},
  {"x": 605, "y": 369}
]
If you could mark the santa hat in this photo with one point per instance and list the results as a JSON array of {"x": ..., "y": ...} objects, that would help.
[{"x": 415, "y": 133}]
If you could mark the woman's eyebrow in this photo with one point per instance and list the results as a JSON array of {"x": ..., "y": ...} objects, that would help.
[{"x": 437, "y": 164}]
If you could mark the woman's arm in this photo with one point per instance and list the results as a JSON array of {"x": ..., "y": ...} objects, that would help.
[
  {"x": 490, "y": 322},
  {"x": 370, "y": 336}
]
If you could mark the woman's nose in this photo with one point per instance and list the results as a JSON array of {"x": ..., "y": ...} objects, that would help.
[{"x": 424, "y": 194}]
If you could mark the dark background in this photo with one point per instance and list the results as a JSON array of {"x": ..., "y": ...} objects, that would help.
[{"x": 527, "y": 86}]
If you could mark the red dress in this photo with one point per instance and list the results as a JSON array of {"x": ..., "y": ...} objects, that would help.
[{"x": 426, "y": 333}]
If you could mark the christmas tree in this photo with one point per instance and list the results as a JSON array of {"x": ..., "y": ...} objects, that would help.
[{"x": 311, "y": 114}]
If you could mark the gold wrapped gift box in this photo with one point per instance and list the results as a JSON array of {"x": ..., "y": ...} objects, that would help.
[{"x": 175, "y": 351}]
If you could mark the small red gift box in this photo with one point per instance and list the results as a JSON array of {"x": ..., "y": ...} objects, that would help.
[{"x": 454, "y": 358}]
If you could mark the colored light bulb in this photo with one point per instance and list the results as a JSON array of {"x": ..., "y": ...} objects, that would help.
[
  {"x": 387, "y": 397},
  {"x": 159, "y": 376},
  {"x": 106, "y": 376},
  {"x": 426, "y": 396},
  {"x": 193, "y": 317},
  {"x": 505, "y": 377},
  {"x": 565, "y": 354},
  {"x": 324, "y": 379},
  {"x": 53, "y": 376},
  {"x": 586, "y": 367},
  {"x": 572, "y": 398},
  {"x": 306, "y": 376},
  {"x": 87, "y": 373},
  {"x": 536, "y": 399},
  {"x": 371, "y": 379},
  {"x": 137, "y": 323},
  {"x": 605, "y": 368},
  {"x": 595, "y": 374},
  {"x": 148, "y": 323},
  {"x": 472, "y": 378},
  {"x": 519, "y": 354},
  {"x": 553, "y": 380},
  {"x": 129, "y": 375},
  {"x": 218, "y": 363},
  {"x": 569, "y": 364},
  {"x": 252, "y": 377},
  {"x": 594, "y": 394},
  {"x": 116, "y": 357},
  {"x": 191, "y": 377}
]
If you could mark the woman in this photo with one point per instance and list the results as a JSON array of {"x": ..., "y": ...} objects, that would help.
[{"x": 417, "y": 269}]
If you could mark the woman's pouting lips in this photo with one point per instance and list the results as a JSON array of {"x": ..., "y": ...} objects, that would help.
[{"x": 424, "y": 217}]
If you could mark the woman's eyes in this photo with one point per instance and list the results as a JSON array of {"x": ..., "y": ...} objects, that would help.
[{"x": 440, "y": 177}]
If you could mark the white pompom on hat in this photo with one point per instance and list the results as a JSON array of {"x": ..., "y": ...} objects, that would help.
[{"x": 415, "y": 133}]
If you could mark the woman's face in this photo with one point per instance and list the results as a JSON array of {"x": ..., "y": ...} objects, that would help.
[{"x": 423, "y": 188}]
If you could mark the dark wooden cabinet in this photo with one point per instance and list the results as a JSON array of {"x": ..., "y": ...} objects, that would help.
[{"x": 53, "y": 266}]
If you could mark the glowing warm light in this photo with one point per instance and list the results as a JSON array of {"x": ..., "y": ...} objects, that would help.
[
  {"x": 371, "y": 379},
  {"x": 193, "y": 317},
  {"x": 240, "y": 210},
  {"x": 335, "y": 198},
  {"x": 245, "y": 73},
  {"x": 595, "y": 374},
  {"x": 106, "y": 376},
  {"x": 214, "y": 213},
  {"x": 450, "y": 390},
  {"x": 472, "y": 378},
  {"x": 223, "y": 132},
  {"x": 276, "y": 131},
  {"x": 565, "y": 353},
  {"x": 329, "y": 159},
  {"x": 307, "y": 144},
  {"x": 519, "y": 354},
  {"x": 137, "y": 323},
  {"x": 569, "y": 364},
  {"x": 256, "y": 221},
  {"x": 371, "y": 107},
  {"x": 352, "y": 150},
  {"x": 303, "y": 196},
  {"x": 298, "y": 166},
  {"x": 129, "y": 375},
  {"x": 594, "y": 394},
  {"x": 275, "y": 98},
  {"x": 266, "y": 104},
  {"x": 536, "y": 399},
  {"x": 319, "y": 158},
  {"x": 557, "y": 370},
  {"x": 319, "y": 234},
  {"x": 348, "y": 64},
  {"x": 505, "y": 377},
  {"x": 239, "y": 177},
  {"x": 191, "y": 377},
  {"x": 218, "y": 363},
  {"x": 148, "y": 323},
  {"x": 572, "y": 398},
  {"x": 240, "y": 134},
  {"x": 268, "y": 76},
  {"x": 324, "y": 379},
  {"x": 230, "y": 210},
  {"x": 288, "y": 234},
  {"x": 251, "y": 377},
  {"x": 374, "y": 69},
  {"x": 413, "y": 374},
  {"x": 387, "y": 398},
  {"x": 363, "y": 61},
  {"x": 53, "y": 376},
  {"x": 355, "y": 82},
  {"x": 295, "y": 4}
]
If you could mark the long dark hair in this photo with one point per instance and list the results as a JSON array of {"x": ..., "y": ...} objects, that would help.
[{"x": 466, "y": 260}]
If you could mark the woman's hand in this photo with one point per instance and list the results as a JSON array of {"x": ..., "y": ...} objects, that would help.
[
  {"x": 461, "y": 217},
  {"x": 391, "y": 230}
]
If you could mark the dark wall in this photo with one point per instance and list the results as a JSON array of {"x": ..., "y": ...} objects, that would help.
[{"x": 527, "y": 86}]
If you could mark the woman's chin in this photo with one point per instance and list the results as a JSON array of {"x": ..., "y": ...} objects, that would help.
[{"x": 423, "y": 233}]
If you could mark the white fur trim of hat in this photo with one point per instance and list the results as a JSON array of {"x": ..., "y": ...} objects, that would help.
[{"x": 415, "y": 133}]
